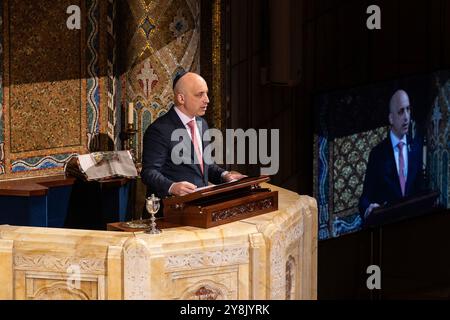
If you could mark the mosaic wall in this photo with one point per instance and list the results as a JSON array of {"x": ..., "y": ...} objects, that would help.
[
  {"x": 98, "y": 56},
  {"x": 164, "y": 39},
  {"x": 438, "y": 138},
  {"x": 341, "y": 169},
  {"x": 52, "y": 85},
  {"x": 65, "y": 92},
  {"x": 114, "y": 116},
  {"x": 2, "y": 126},
  {"x": 37, "y": 88}
]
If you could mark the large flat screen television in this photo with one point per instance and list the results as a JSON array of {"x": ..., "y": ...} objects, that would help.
[{"x": 351, "y": 123}]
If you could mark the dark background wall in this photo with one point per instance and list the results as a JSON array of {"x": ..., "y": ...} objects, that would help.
[
  {"x": 339, "y": 52},
  {"x": 253, "y": 102}
]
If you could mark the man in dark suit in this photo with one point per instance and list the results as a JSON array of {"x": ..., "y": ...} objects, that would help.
[
  {"x": 394, "y": 170},
  {"x": 162, "y": 171}
]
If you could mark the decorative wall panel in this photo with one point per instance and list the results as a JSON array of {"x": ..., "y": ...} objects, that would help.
[
  {"x": 92, "y": 65},
  {"x": 164, "y": 39},
  {"x": 64, "y": 92},
  {"x": 52, "y": 82},
  {"x": 42, "y": 84},
  {"x": 438, "y": 141},
  {"x": 113, "y": 128},
  {"x": 2, "y": 121},
  {"x": 43, "y": 114}
]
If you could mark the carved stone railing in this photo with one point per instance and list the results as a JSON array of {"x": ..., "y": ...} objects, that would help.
[{"x": 271, "y": 256}]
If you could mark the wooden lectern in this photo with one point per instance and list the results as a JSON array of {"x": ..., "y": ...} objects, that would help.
[
  {"x": 406, "y": 208},
  {"x": 220, "y": 204}
]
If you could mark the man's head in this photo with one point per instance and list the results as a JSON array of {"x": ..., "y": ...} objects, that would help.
[
  {"x": 191, "y": 94},
  {"x": 399, "y": 113}
]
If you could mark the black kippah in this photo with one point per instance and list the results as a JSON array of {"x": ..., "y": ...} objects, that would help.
[{"x": 178, "y": 77}]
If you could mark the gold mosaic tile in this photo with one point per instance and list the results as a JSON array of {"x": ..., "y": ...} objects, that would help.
[
  {"x": 45, "y": 77},
  {"x": 44, "y": 87},
  {"x": 163, "y": 41},
  {"x": 55, "y": 85}
]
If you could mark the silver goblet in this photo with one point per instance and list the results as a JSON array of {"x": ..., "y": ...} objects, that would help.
[{"x": 152, "y": 205}]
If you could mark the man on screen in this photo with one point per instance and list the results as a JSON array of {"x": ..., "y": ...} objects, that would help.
[{"x": 394, "y": 170}]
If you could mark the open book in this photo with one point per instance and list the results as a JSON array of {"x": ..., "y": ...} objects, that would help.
[{"x": 102, "y": 165}]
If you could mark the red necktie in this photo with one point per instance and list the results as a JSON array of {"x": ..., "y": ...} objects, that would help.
[
  {"x": 401, "y": 164},
  {"x": 191, "y": 125}
]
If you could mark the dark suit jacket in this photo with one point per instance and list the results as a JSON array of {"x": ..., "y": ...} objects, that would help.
[
  {"x": 158, "y": 170},
  {"x": 381, "y": 183}
]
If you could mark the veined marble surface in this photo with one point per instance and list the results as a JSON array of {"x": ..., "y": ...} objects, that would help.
[{"x": 270, "y": 256}]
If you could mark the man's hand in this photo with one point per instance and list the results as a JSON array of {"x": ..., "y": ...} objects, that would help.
[
  {"x": 182, "y": 188},
  {"x": 231, "y": 176},
  {"x": 370, "y": 209}
]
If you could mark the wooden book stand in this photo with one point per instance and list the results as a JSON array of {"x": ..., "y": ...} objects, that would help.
[{"x": 220, "y": 204}]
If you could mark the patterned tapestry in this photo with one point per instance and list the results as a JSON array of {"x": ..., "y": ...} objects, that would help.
[
  {"x": 53, "y": 87},
  {"x": 164, "y": 39},
  {"x": 339, "y": 177},
  {"x": 438, "y": 138}
]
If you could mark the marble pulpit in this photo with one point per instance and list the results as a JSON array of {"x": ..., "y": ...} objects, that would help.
[{"x": 270, "y": 256}]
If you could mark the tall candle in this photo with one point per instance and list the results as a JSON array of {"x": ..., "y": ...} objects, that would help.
[{"x": 130, "y": 113}]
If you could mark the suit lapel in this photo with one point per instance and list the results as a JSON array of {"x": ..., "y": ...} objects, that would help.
[
  {"x": 201, "y": 130},
  {"x": 393, "y": 167},
  {"x": 176, "y": 119},
  {"x": 178, "y": 124},
  {"x": 411, "y": 167}
]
